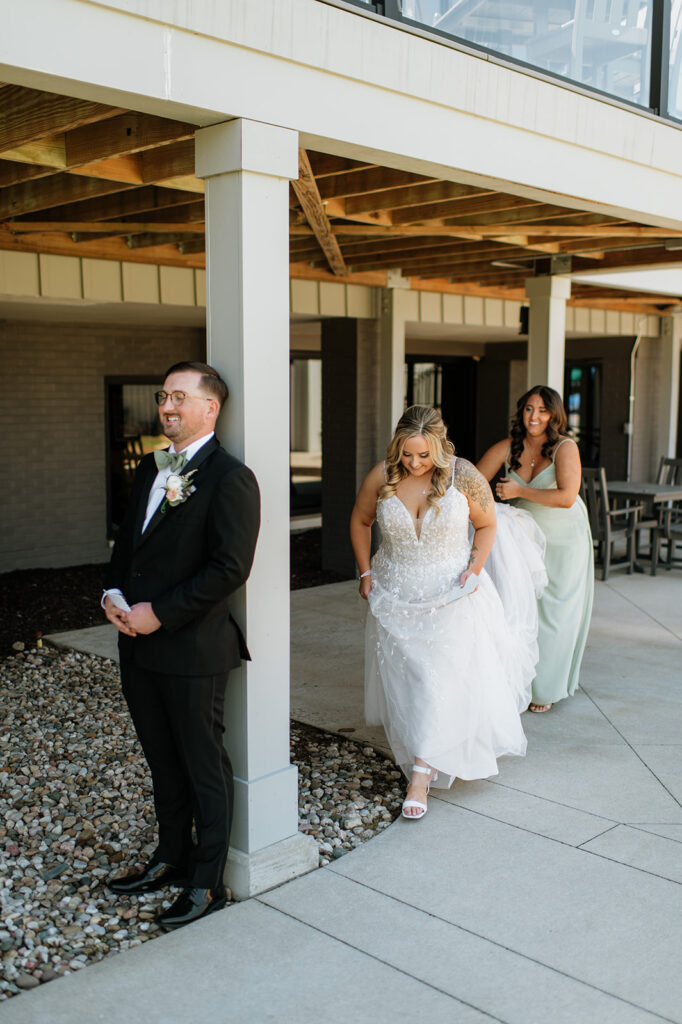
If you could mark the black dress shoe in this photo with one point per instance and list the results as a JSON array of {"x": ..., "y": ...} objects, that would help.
[
  {"x": 191, "y": 905},
  {"x": 153, "y": 876}
]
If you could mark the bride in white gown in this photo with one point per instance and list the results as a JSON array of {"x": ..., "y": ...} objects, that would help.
[{"x": 449, "y": 659}]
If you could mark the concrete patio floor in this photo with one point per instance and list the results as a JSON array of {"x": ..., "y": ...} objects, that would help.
[{"x": 550, "y": 893}]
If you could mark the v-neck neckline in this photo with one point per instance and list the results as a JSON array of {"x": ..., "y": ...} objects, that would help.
[
  {"x": 529, "y": 483},
  {"x": 415, "y": 519}
]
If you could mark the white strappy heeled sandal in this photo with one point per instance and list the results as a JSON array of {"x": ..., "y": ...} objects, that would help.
[{"x": 433, "y": 775}]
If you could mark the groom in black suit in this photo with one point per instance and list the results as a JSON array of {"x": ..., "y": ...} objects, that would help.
[{"x": 186, "y": 544}]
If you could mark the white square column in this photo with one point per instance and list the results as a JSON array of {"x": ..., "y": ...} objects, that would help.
[
  {"x": 669, "y": 391},
  {"x": 547, "y": 330},
  {"x": 247, "y": 166},
  {"x": 394, "y": 302}
]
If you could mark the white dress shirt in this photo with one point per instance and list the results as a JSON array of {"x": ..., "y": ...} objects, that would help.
[{"x": 158, "y": 492}]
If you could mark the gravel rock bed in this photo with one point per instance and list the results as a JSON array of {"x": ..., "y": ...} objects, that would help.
[{"x": 77, "y": 802}]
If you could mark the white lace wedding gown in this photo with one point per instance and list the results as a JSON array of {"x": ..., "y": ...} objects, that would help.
[{"x": 448, "y": 677}]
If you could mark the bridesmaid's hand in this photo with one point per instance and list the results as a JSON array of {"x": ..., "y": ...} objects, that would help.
[
  {"x": 507, "y": 488},
  {"x": 365, "y": 586},
  {"x": 465, "y": 576}
]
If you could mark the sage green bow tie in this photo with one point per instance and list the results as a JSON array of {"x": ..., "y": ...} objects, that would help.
[{"x": 176, "y": 460}]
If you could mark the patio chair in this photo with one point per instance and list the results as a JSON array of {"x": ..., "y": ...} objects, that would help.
[
  {"x": 670, "y": 472},
  {"x": 609, "y": 525}
]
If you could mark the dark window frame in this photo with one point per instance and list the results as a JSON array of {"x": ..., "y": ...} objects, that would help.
[{"x": 117, "y": 380}]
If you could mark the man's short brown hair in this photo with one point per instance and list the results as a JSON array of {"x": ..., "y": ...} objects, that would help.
[{"x": 210, "y": 379}]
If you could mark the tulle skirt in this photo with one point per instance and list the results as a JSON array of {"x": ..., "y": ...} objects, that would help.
[{"x": 453, "y": 692}]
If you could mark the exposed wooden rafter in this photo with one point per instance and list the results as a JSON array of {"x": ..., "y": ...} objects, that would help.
[
  {"x": 86, "y": 179},
  {"x": 311, "y": 203},
  {"x": 29, "y": 114}
]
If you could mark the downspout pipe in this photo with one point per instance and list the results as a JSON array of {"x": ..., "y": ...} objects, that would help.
[{"x": 630, "y": 425}]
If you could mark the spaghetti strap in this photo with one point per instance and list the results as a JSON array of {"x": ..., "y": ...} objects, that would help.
[
  {"x": 385, "y": 473},
  {"x": 452, "y": 475},
  {"x": 562, "y": 441}
]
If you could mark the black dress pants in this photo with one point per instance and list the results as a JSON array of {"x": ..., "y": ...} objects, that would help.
[{"x": 179, "y": 722}]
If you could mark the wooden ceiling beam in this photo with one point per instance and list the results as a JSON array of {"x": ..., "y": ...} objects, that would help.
[
  {"x": 492, "y": 278},
  {"x": 324, "y": 164},
  {"x": 376, "y": 246},
  {"x": 30, "y": 114},
  {"x": 433, "y": 256},
  {"x": 465, "y": 206},
  {"x": 145, "y": 240},
  {"x": 587, "y": 245},
  {"x": 18, "y": 227},
  {"x": 123, "y": 168},
  {"x": 336, "y": 208},
  {"x": 192, "y": 246},
  {"x": 173, "y": 163},
  {"x": 539, "y": 213},
  {"x": 122, "y": 135},
  {"x": 308, "y": 195},
  {"x": 471, "y": 268},
  {"x": 373, "y": 180},
  {"x": 659, "y": 305},
  {"x": 14, "y": 174},
  {"x": 54, "y": 191},
  {"x": 47, "y": 152},
  {"x": 146, "y": 201},
  {"x": 413, "y": 195},
  {"x": 109, "y": 249},
  {"x": 119, "y": 168},
  {"x": 429, "y": 247},
  {"x": 568, "y": 231}
]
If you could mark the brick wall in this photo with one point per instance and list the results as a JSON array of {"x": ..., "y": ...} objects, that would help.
[{"x": 52, "y": 419}]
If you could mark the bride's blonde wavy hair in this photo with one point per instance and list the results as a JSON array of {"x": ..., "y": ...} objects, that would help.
[{"x": 420, "y": 421}]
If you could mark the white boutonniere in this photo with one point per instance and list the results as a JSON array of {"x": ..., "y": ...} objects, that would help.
[{"x": 178, "y": 489}]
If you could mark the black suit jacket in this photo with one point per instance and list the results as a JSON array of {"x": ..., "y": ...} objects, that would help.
[{"x": 188, "y": 562}]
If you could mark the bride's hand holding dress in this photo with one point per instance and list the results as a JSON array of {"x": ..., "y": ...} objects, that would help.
[{"x": 444, "y": 671}]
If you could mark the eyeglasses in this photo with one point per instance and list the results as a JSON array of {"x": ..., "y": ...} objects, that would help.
[{"x": 176, "y": 397}]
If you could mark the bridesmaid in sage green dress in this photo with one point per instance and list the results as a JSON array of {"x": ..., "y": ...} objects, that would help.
[{"x": 543, "y": 476}]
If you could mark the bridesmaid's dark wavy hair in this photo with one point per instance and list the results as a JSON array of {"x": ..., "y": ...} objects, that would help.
[{"x": 556, "y": 428}]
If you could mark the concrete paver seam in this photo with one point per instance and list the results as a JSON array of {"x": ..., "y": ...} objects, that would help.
[
  {"x": 631, "y": 746},
  {"x": 557, "y": 803},
  {"x": 598, "y": 836},
  {"x": 522, "y": 828},
  {"x": 386, "y": 963},
  {"x": 633, "y": 867},
  {"x": 644, "y": 826},
  {"x": 643, "y": 611},
  {"x": 498, "y": 945}
]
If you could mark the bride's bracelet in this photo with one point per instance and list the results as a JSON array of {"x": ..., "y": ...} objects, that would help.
[{"x": 365, "y": 573}]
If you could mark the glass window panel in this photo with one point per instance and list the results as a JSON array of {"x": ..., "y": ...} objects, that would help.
[
  {"x": 601, "y": 43},
  {"x": 426, "y": 384}
]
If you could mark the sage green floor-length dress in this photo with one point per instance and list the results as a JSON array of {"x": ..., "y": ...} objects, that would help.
[{"x": 566, "y": 604}]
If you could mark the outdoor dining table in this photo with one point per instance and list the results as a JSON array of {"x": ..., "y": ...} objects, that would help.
[
  {"x": 643, "y": 492},
  {"x": 632, "y": 490}
]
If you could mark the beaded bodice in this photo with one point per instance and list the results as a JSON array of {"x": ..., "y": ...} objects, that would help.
[{"x": 412, "y": 574}]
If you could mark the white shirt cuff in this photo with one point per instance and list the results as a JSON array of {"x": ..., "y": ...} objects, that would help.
[{"x": 105, "y": 595}]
